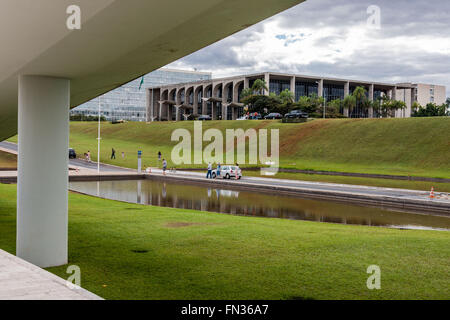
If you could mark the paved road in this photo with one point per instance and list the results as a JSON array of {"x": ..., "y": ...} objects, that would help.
[{"x": 74, "y": 162}]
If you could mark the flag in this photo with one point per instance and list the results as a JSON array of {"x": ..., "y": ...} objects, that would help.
[{"x": 142, "y": 82}]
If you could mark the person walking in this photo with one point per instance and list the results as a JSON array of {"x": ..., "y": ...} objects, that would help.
[
  {"x": 89, "y": 156},
  {"x": 159, "y": 155},
  {"x": 219, "y": 167},
  {"x": 113, "y": 153},
  {"x": 123, "y": 155},
  {"x": 164, "y": 166},
  {"x": 209, "y": 174}
]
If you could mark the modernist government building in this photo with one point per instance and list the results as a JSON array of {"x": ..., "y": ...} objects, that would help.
[{"x": 220, "y": 98}]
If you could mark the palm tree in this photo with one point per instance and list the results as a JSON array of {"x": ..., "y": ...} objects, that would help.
[
  {"x": 349, "y": 103},
  {"x": 259, "y": 86},
  {"x": 286, "y": 96},
  {"x": 361, "y": 99}
]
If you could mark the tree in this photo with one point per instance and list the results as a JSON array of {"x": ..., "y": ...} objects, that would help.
[
  {"x": 349, "y": 103},
  {"x": 259, "y": 86},
  {"x": 431, "y": 110},
  {"x": 360, "y": 98}
]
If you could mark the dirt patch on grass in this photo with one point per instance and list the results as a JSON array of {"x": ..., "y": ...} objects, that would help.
[{"x": 187, "y": 224}]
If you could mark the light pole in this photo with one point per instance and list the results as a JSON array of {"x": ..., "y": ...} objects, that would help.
[
  {"x": 98, "y": 138},
  {"x": 324, "y": 106}
]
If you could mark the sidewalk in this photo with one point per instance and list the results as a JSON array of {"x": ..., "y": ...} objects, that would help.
[{"x": 20, "y": 280}]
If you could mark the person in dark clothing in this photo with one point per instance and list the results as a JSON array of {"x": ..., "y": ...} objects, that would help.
[{"x": 113, "y": 153}]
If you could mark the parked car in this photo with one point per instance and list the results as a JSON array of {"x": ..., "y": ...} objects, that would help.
[
  {"x": 72, "y": 154},
  {"x": 204, "y": 117},
  {"x": 273, "y": 115},
  {"x": 228, "y": 172},
  {"x": 296, "y": 114}
]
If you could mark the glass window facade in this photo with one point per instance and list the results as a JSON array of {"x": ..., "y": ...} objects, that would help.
[
  {"x": 305, "y": 89},
  {"x": 333, "y": 91},
  {"x": 277, "y": 86},
  {"x": 128, "y": 102}
]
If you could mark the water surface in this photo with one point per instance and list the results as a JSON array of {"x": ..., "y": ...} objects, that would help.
[{"x": 185, "y": 196}]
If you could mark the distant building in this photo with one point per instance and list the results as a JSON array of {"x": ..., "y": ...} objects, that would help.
[
  {"x": 128, "y": 102},
  {"x": 220, "y": 98}
]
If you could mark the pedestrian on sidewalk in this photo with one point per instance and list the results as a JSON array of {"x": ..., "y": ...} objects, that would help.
[
  {"x": 164, "y": 166},
  {"x": 89, "y": 156},
  {"x": 219, "y": 168},
  {"x": 113, "y": 154},
  {"x": 209, "y": 174}
]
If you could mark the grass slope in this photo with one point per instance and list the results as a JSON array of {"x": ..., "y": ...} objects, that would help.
[
  {"x": 198, "y": 255},
  {"x": 414, "y": 146}
]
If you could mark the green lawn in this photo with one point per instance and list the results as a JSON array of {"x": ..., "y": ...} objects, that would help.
[
  {"x": 8, "y": 160},
  {"x": 198, "y": 255}
]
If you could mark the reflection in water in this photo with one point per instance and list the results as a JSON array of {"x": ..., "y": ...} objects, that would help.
[{"x": 246, "y": 203}]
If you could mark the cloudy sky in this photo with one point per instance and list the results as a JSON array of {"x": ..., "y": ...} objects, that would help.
[{"x": 333, "y": 38}]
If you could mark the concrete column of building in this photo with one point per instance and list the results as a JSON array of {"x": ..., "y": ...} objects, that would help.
[
  {"x": 293, "y": 86},
  {"x": 149, "y": 95},
  {"x": 42, "y": 182},
  {"x": 267, "y": 80},
  {"x": 160, "y": 111},
  {"x": 204, "y": 103},
  {"x": 234, "y": 113},
  {"x": 246, "y": 83},
  {"x": 346, "y": 93},
  {"x": 169, "y": 112},
  {"x": 195, "y": 104},
  {"x": 177, "y": 113},
  {"x": 224, "y": 110},
  {"x": 320, "y": 88},
  {"x": 371, "y": 92},
  {"x": 213, "y": 111}
]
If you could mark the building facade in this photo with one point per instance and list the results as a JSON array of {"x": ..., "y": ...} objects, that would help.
[
  {"x": 128, "y": 102},
  {"x": 220, "y": 98}
]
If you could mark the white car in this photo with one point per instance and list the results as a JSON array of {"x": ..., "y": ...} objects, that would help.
[{"x": 228, "y": 172}]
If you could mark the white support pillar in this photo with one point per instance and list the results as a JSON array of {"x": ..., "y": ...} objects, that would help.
[
  {"x": 371, "y": 95},
  {"x": 320, "y": 88},
  {"x": 346, "y": 93},
  {"x": 267, "y": 80},
  {"x": 293, "y": 87},
  {"x": 42, "y": 184}
]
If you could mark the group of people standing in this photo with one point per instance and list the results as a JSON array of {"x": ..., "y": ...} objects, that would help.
[{"x": 210, "y": 171}]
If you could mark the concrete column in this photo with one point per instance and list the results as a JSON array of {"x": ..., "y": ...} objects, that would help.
[
  {"x": 346, "y": 93},
  {"x": 42, "y": 186},
  {"x": 195, "y": 105},
  {"x": 246, "y": 83},
  {"x": 267, "y": 80},
  {"x": 371, "y": 92},
  {"x": 293, "y": 86},
  {"x": 204, "y": 103},
  {"x": 224, "y": 110},
  {"x": 320, "y": 88},
  {"x": 213, "y": 110},
  {"x": 177, "y": 113},
  {"x": 149, "y": 95},
  {"x": 234, "y": 113}
]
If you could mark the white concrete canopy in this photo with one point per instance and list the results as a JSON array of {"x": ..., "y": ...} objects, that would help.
[{"x": 118, "y": 41}]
